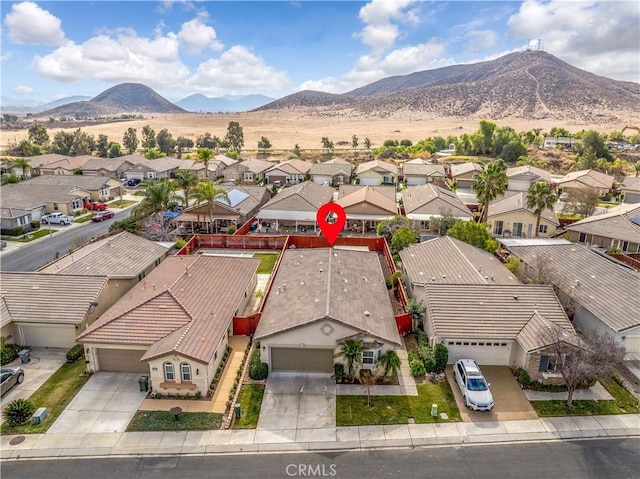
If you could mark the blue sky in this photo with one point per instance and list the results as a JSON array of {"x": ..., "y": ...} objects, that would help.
[{"x": 56, "y": 49}]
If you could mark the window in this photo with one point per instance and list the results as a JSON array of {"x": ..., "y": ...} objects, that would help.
[
  {"x": 104, "y": 192},
  {"x": 151, "y": 175},
  {"x": 168, "y": 372},
  {"x": 517, "y": 229},
  {"x": 55, "y": 206},
  {"x": 248, "y": 177},
  {"x": 186, "y": 371},
  {"x": 542, "y": 229},
  {"x": 141, "y": 276},
  {"x": 76, "y": 205},
  {"x": 367, "y": 357},
  {"x": 582, "y": 238},
  {"x": 497, "y": 227}
]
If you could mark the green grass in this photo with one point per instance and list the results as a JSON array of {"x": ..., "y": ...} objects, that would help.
[
  {"x": 31, "y": 237},
  {"x": 121, "y": 204},
  {"x": 55, "y": 394},
  {"x": 623, "y": 402},
  {"x": 267, "y": 262},
  {"x": 250, "y": 402},
  {"x": 83, "y": 219},
  {"x": 163, "y": 421},
  {"x": 353, "y": 410}
]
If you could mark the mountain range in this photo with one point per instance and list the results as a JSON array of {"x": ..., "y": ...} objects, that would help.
[{"x": 232, "y": 103}]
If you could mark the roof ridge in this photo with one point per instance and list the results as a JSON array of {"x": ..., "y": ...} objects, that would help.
[{"x": 464, "y": 256}]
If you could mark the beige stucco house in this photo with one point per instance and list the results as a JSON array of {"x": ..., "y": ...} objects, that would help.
[
  {"x": 509, "y": 216},
  {"x": 334, "y": 172},
  {"x": 617, "y": 228},
  {"x": 247, "y": 171},
  {"x": 425, "y": 202},
  {"x": 522, "y": 178},
  {"x": 288, "y": 172},
  {"x": 366, "y": 206},
  {"x": 590, "y": 179},
  {"x": 377, "y": 172},
  {"x": 66, "y": 166},
  {"x": 421, "y": 172},
  {"x": 463, "y": 173}
]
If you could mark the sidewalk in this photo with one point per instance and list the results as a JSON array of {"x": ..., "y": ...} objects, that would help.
[{"x": 327, "y": 439}]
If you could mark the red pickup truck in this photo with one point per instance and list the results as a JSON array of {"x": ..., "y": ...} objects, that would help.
[{"x": 95, "y": 206}]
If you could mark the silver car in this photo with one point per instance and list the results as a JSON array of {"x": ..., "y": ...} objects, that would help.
[
  {"x": 473, "y": 386},
  {"x": 10, "y": 377}
]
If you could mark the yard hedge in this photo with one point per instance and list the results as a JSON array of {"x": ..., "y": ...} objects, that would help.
[
  {"x": 257, "y": 369},
  {"x": 8, "y": 352},
  {"x": 75, "y": 353}
]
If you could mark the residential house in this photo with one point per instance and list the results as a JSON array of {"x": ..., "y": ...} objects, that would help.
[
  {"x": 244, "y": 202},
  {"x": 37, "y": 162},
  {"x": 214, "y": 169},
  {"x": 295, "y": 207},
  {"x": 333, "y": 172},
  {"x": 175, "y": 324},
  {"x": 497, "y": 324},
  {"x": 288, "y": 172},
  {"x": 523, "y": 178},
  {"x": 462, "y": 174},
  {"x": 39, "y": 199},
  {"x": 48, "y": 310},
  {"x": 420, "y": 172},
  {"x": 366, "y": 206},
  {"x": 446, "y": 260},
  {"x": 321, "y": 297},
  {"x": 247, "y": 171},
  {"x": 377, "y": 172},
  {"x": 599, "y": 292},
  {"x": 425, "y": 202},
  {"x": 99, "y": 188},
  {"x": 631, "y": 189},
  {"x": 559, "y": 142},
  {"x": 114, "y": 167},
  {"x": 155, "y": 169},
  {"x": 11, "y": 218},
  {"x": 617, "y": 228},
  {"x": 124, "y": 258},
  {"x": 69, "y": 165},
  {"x": 509, "y": 216},
  {"x": 586, "y": 179}
]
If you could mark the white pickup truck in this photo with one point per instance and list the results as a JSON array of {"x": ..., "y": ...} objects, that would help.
[{"x": 57, "y": 219}]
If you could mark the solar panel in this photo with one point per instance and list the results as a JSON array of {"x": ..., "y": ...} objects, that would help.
[{"x": 235, "y": 198}]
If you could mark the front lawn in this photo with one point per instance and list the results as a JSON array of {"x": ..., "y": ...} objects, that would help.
[
  {"x": 83, "y": 219},
  {"x": 250, "y": 402},
  {"x": 353, "y": 410},
  {"x": 25, "y": 238},
  {"x": 623, "y": 402},
  {"x": 55, "y": 394},
  {"x": 267, "y": 262},
  {"x": 163, "y": 421},
  {"x": 121, "y": 204}
]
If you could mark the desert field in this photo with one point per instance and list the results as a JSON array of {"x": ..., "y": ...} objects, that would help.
[{"x": 286, "y": 129}]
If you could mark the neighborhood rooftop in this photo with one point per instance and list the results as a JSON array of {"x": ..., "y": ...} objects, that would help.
[
  {"x": 515, "y": 202},
  {"x": 424, "y": 201},
  {"x": 621, "y": 222}
]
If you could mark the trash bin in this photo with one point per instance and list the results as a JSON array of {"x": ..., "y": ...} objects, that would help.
[
  {"x": 238, "y": 411},
  {"x": 25, "y": 355},
  {"x": 143, "y": 381},
  {"x": 434, "y": 410}
]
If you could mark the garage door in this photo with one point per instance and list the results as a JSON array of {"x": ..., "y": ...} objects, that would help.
[
  {"x": 370, "y": 181},
  {"x": 632, "y": 344},
  {"x": 485, "y": 353},
  {"x": 48, "y": 336},
  {"x": 295, "y": 359},
  {"x": 121, "y": 361}
]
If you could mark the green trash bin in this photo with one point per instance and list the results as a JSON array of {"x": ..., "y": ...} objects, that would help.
[
  {"x": 238, "y": 411},
  {"x": 143, "y": 381},
  {"x": 434, "y": 410}
]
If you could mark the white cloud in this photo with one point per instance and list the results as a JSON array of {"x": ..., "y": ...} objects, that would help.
[
  {"x": 601, "y": 37},
  {"x": 23, "y": 90},
  {"x": 379, "y": 31},
  {"x": 28, "y": 23},
  {"x": 479, "y": 40},
  {"x": 197, "y": 36},
  {"x": 122, "y": 57},
  {"x": 238, "y": 70},
  {"x": 6, "y": 56}
]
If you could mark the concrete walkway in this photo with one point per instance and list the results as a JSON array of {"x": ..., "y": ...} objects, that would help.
[
  {"x": 595, "y": 393},
  {"x": 254, "y": 303},
  {"x": 405, "y": 378},
  {"x": 322, "y": 439}
]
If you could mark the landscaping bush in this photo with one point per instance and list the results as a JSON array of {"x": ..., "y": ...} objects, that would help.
[
  {"x": 522, "y": 376},
  {"x": 338, "y": 372},
  {"x": 35, "y": 225},
  {"x": 429, "y": 361},
  {"x": 8, "y": 352},
  {"x": 417, "y": 368},
  {"x": 231, "y": 229},
  {"x": 422, "y": 338},
  {"x": 18, "y": 412},
  {"x": 18, "y": 231},
  {"x": 257, "y": 369},
  {"x": 180, "y": 242},
  {"x": 441, "y": 354},
  {"x": 75, "y": 353}
]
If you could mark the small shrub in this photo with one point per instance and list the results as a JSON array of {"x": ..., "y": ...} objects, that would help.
[
  {"x": 417, "y": 368},
  {"x": 338, "y": 372},
  {"x": 257, "y": 369},
  {"x": 35, "y": 225},
  {"x": 8, "y": 352},
  {"x": 75, "y": 353},
  {"x": 441, "y": 354},
  {"x": 198, "y": 395},
  {"x": 259, "y": 293},
  {"x": 18, "y": 231},
  {"x": 429, "y": 361},
  {"x": 231, "y": 229},
  {"x": 522, "y": 376},
  {"x": 180, "y": 242},
  {"x": 18, "y": 412},
  {"x": 422, "y": 338},
  {"x": 413, "y": 356}
]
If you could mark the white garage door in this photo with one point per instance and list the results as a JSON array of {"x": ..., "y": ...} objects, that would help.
[
  {"x": 632, "y": 344},
  {"x": 416, "y": 180},
  {"x": 519, "y": 185},
  {"x": 370, "y": 181},
  {"x": 484, "y": 352},
  {"x": 48, "y": 335}
]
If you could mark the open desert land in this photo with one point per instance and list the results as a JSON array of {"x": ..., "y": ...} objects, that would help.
[{"x": 285, "y": 129}]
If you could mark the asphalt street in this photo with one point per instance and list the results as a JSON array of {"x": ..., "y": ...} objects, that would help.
[
  {"x": 35, "y": 254},
  {"x": 596, "y": 458}
]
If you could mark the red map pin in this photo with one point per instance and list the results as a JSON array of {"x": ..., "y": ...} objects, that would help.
[{"x": 331, "y": 218}]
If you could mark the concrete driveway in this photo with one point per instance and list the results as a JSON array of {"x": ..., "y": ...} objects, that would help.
[
  {"x": 298, "y": 403},
  {"x": 105, "y": 404},
  {"x": 44, "y": 362},
  {"x": 510, "y": 402}
]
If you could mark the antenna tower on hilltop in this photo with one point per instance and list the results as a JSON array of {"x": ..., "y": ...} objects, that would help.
[{"x": 534, "y": 45}]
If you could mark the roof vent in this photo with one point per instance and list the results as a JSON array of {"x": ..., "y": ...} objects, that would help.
[
  {"x": 367, "y": 313},
  {"x": 321, "y": 270},
  {"x": 444, "y": 276},
  {"x": 576, "y": 283},
  {"x": 492, "y": 278},
  {"x": 479, "y": 269},
  {"x": 515, "y": 297}
]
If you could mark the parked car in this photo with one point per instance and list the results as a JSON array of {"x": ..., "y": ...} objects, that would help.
[
  {"x": 254, "y": 225},
  {"x": 57, "y": 219},
  {"x": 133, "y": 181},
  {"x": 95, "y": 206},
  {"x": 9, "y": 378},
  {"x": 473, "y": 386},
  {"x": 103, "y": 215}
]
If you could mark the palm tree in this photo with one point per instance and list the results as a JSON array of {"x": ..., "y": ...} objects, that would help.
[
  {"x": 540, "y": 197},
  {"x": 159, "y": 197},
  {"x": 204, "y": 156},
  {"x": 206, "y": 192},
  {"x": 617, "y": 167},
  {"x": 489, "y": 183},
  {"x": 23, "y": 164},
  {"x": 351, "y": 351},
  {"x": 186, "y": 180},
  {"x": 390, "y": 362}
]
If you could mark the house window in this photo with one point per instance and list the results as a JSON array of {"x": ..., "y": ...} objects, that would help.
[
  {"x": 55, "y": 206},
  {"x": 248, "y": 177},
  {"x": 549, "y": 364},
  {"x": 151, "y": 175},
  {"x": 542, "y": 229},
  {"x": 157, "y": 262},
  {"x": 104, "y": 192},
  {"x": 141, "y": 276},
  {"x": 497, "y": 227},
  {"x": 517, "y": 229},
  {"x": 168, "y": 372},
  {"x": 582, "y": 238},
  {"x": 186, "y": 371},
  {"x": 368, "y": 357}
]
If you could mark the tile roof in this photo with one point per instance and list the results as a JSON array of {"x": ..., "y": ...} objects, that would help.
[
  {"x": 11, "y": 213},
  {"x": 451, "y": 261},
  {"x": 490, "y": 311},
  {"x": 591, "y": 178},
  {"x": 377, "y": 165},
  {"x": 366, "y": 194},
  {"x": 292, "y": 167},
  {"x": 305, "y": 196},
  {"x": 42, "y": 160},
  {"x": 108, "y": 164},
  {"x": 337, "y": 161},
  {"x": 133, "y": 159},
  {"x": 531, "y": 171},
  {"x": 386, "y": 190},
  {"x": 429, "y": 200},
  {"x": 160, "y": 164},
  {"x": 462, "y": 168},
  {"x": 329, "y": 283},
  {"x": 538, "y": 333},
  {"x": 184, "y": 306},
  {"x": 72, "y": 181},
  {"x": 25, "y": 195},
  {"x": 599, "y": 288},
  {"x": 225, "y": 160},
  {"x": 256, "y": 165},
  {"x": 124, "y": 255},
  {"x": 68, "y": 163},
  {"x": 621, "y": 222},
  {"x": 49, "y": 298},
  {"x": 517, "y": 201},
  {"x": 419, "y": 167},
  {"x": 631, "y": 183},
  {"x": 330, "y": 169}
]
